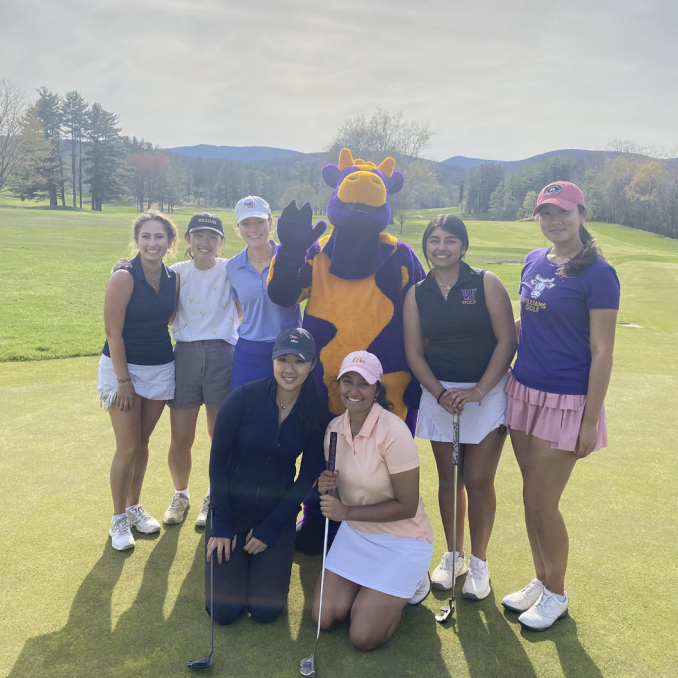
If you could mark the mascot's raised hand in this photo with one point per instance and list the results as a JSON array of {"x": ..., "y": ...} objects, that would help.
[{"x": 295, "y": 228}]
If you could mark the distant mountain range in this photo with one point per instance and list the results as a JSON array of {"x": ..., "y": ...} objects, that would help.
[
  {"x": 449, "y": 171},
  {"x": 242, "y": 153},
  {"x": 461, "y": 161}
]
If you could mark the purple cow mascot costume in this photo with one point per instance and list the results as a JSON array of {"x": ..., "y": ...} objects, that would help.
[{"x": 355, "y": 280}]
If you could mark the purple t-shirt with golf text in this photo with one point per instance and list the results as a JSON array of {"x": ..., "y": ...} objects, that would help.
[{"x": 554, "y": 353}]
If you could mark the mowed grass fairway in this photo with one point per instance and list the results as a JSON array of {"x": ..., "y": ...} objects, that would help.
[{"x": 73, "y": 607}]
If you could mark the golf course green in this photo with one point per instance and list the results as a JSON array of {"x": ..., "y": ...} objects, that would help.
[{"x": 72, "y": 607}]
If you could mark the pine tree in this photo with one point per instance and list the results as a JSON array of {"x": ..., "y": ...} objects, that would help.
[
  {"x": 32, "y": 171},
  {"x": 74, "y": 111},
  {"x": 106, "y": 171},
  {"x": 48, "y": 108}
]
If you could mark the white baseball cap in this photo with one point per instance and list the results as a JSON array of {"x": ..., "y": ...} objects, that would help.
[{"x": 252, "y": 206}]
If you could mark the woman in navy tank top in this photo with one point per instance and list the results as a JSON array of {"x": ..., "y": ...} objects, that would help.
[
  {"x": 136, "y": 372},
  {"x": 460, "y": 340}
]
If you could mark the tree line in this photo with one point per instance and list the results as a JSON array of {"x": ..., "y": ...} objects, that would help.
[
  {"x": 58, "y": 145},
  {"x": 625, "y": 186}
]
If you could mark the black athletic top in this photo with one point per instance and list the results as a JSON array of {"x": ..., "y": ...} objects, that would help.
[
  {"x": 145, "y": 333},
  {"x": 253, "y": 462},
  {"x": 459, "y": 330}
]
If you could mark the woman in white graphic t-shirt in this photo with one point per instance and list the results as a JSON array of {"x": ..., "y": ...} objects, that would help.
[{"x": 205, "y": 332}]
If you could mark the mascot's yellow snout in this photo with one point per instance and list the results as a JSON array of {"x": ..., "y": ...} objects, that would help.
[{"x": 363, "y": 187}]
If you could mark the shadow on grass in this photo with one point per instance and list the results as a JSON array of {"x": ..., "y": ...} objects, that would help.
[
  {"x": 574, "y": 659},
  {"x": 488, "y": 642},
  {"x": 87, "y": 646},
  {"x": 146, "y": 643}
]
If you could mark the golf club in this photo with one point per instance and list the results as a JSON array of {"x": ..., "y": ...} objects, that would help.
[
  {"x": 307, "y": 664},
  {"x": 207, "y": 661},
  {"x": 448, "y": 610}
]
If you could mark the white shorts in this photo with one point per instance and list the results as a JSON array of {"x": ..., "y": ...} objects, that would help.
[
  {"x": 476, "y": 421},
  {"x": 155, "y": 382},
  {"x": 382, "y": 562}
]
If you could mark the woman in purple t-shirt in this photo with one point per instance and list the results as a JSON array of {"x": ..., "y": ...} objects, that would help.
[{"x": 569, "y": 297}]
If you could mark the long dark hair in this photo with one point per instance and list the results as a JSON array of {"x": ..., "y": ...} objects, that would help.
[
  {"x": 313, "y": 411},
  {"x": 448, "y": 222},
  {"x": 382, "y": 398},
  {"x": 588, "y": 256}
]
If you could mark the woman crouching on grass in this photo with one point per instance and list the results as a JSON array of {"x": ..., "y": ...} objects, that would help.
[
  {"x": 136, "y": 371},
  {"x": 569, "y": 296},
  {"x": 261, "y": 429},
  {"x": 380, "y": 557}
]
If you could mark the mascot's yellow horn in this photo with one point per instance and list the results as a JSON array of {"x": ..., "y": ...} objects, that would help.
[
  {"x": 345, "y": 159},
  {"x": 387, "y": 167}
]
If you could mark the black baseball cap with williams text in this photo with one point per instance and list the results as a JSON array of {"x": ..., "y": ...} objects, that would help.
[
  {"x": 296, "y": 341},
  {"x": 205, "y": 221}
]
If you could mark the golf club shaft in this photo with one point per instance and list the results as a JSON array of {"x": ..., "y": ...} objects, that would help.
[
  {"x": 212, "y": 598},
  {"x": 331, "y": 462},
  {"x": 322, "y": 582},
  {"x": 455, "y": 462}
]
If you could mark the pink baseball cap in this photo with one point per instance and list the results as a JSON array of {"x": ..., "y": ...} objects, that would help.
[
  {"x": 565, "y": 194},
  {"x": 366, "y": 364}
]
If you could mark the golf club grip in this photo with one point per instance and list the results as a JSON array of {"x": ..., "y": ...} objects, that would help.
[
  {"x": 332, "y": 458},
  {"x": 455, "y": 439}
]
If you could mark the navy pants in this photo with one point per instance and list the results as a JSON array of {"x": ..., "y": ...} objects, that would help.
[
  {"x": 251, "y": 361},
  {"x": 259, "y": 584}
]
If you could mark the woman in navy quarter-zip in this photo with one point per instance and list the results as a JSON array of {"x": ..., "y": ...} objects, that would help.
[{"x": 261, "y": 429}]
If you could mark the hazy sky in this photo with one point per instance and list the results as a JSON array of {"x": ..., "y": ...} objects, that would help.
[{"x": 494, "y": 78}]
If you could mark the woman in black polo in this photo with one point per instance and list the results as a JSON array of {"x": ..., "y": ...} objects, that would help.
[
  {"x": 460, "y": 339},
  {"x": 261, "y": 429}
]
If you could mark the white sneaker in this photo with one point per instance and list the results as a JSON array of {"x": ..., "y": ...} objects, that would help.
[
  {"x": 477, "y": 584},
  {"x": 177, "y": 509},
  {"x": 442, "y": 575},
  {"x": 422, "y": 592},
  {"x": 545, "y": 612},
  {"x": 121, "y": 534},
  {"x": 201, "y": 520},
  {"x": 142, "y": 520},
  {"x": 523, "y": 600}
]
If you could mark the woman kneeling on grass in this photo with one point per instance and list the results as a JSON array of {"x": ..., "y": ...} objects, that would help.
[
  {"x": 569, "y": 296},
  {"x": 136, "y": 371},
  {"x": 261, "y": 429},
  {"x": 380, "y": 557},
  {"x": 460, "y": 339}
]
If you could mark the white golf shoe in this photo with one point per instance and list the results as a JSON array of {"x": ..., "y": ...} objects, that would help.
[
  {"x": 442, "y": 575},
  {"x": 142, "y": 520},
  {"x": 422, "y": 592},
  {"x": 545, "y": 612},
  {"x": 477, "y": 584},
  {"x": 201, "y": 520},
  {"x": 120, "y": 533},
  {"x": 176, "y": 511},
  {"x": 523, "y": 600}
]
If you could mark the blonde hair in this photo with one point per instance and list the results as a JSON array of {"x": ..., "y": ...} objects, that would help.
[{"x": 154, "y": 215}]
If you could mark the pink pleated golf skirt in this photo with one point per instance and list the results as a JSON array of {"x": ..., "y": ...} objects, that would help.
[{"x": 550, "y": 416}]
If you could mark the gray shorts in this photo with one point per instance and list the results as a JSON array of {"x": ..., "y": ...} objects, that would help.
[{"x": 203, "y": 373}]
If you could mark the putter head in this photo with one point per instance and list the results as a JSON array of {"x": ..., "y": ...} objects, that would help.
[
  {"x": 307, "y": 665},
  {"x": 200, "y": 663},
  {"x": 447, "y": 613}
]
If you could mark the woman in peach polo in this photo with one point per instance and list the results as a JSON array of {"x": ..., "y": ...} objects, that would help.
[{"x": 380, "y": 557}]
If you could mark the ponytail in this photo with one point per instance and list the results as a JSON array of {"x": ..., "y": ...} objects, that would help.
[{"x": 587, "y": 257}]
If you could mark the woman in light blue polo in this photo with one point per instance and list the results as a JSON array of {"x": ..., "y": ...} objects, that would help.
[{"x": 262, "y": 320}]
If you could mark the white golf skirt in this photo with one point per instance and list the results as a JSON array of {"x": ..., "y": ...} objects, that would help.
[
  {"x": 155, "y": 382},
  {"x": 382, "y": 562},
  {"x": 475, "y": 422}
]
